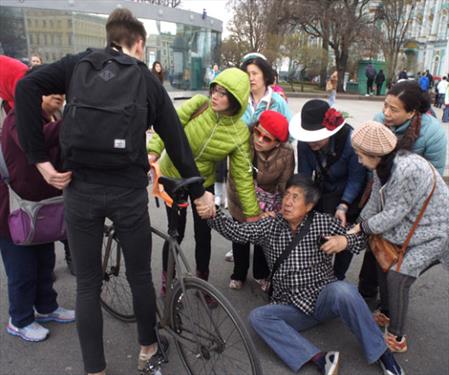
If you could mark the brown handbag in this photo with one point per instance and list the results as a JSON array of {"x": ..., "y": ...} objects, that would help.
[{"x": 388, "y": 254}]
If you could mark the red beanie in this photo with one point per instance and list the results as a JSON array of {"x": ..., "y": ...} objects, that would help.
[
  {"x": 11, "y": 71},
  {"x": 275, "y": 124}
]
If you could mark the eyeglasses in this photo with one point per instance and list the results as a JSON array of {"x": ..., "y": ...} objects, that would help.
[
  {"x": 265, "y": 137},
  {"x": 219, "y": 91}
]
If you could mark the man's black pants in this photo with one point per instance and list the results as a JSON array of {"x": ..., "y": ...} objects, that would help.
[{"x": 86, "y": 207}]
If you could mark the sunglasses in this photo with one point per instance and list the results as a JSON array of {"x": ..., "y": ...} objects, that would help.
[{"x": 265, "y": 137}]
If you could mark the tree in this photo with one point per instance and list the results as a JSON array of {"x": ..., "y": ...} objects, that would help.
[
  {"x": 232, "y": 51},
  {"x": 393, "y": 19},
  {"x": 337, "y": 22},
  {"x": 301, "y": 56},
  {"x": 255, "y": 26}
]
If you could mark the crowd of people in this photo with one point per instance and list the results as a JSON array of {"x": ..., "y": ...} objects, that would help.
[{"x": 382, "y": 179}]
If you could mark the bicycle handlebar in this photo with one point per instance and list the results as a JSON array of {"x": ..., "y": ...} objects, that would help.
[{"x": 171, "y": 189}]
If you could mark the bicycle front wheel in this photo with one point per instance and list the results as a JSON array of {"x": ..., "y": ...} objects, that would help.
[
  {"x": 116, "y": 297},
  {"x": 211, "y": 341}
]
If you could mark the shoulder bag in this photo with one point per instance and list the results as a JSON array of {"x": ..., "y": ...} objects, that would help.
[
  {"x": 33, "y": 223},
  {"x": 388, "y": 254}
]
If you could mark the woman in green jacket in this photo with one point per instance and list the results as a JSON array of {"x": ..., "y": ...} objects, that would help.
[{"x": 214, "y": 131}]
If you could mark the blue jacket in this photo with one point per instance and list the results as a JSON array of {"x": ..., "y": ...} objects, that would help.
[
  {"x": 424, "y": 83},
  {"x": 431, "y": 143},
  {"x": 277, "y": 104},
  {"x": 345, "y": 175}
]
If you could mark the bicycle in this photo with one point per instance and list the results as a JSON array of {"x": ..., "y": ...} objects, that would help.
[{"x": 209, "y": 341}]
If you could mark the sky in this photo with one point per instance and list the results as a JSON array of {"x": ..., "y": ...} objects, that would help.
[{"x": 214, "y": 8}]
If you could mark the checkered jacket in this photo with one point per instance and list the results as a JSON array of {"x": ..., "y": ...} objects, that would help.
[{"x": 307, "y": 270}]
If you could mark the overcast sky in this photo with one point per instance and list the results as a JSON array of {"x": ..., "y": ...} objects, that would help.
[{"x": 214, "y": 8}]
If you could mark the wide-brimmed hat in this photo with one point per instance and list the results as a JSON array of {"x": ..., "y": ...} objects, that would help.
[{"x": 315, "y": 122}]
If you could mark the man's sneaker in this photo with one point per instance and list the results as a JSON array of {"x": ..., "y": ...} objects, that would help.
[
  {"x": 389, "y": 365},
  {"x": 32, "y": 332},
  {"x": 331, "y": 363},
  {"x": 60, "y": 315},
  {"x": 229, "y": 257},
  {"x": 151, "y": 365},
  {"x": 327, "y": 362},
  {"x": 393, "y": 344},
  {"x": 381, "y": 319}
]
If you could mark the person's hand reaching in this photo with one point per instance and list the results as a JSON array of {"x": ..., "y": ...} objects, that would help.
[{"x": 205, "y": 205}]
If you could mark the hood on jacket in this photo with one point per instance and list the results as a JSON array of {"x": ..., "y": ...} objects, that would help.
[
  {"x": 11, "y": 71},
  {"x": 236, "y": 81}
]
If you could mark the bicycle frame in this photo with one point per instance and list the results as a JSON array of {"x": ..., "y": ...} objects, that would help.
[{"x": 175, "y": 257}]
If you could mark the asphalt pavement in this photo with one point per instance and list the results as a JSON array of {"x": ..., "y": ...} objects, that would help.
[{"x": 427, "y": 328}]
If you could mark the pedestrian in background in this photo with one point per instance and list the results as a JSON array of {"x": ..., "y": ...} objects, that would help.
[
  {"x": 370, "y": 74},
  {"x": 424, "y": 82},
  {"x": 331, "y": 88},
  {"x": 36, "y": 60},
  {"x": 380, "y": 79},
  {"x": 158, "y": 71},
  {"x": 442, "y": 88}
]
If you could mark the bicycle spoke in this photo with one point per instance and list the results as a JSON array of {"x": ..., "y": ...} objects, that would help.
[{"x": 212, "y": 341}]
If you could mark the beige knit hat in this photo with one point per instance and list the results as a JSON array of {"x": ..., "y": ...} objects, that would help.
[{"x": 374, "y": 138}]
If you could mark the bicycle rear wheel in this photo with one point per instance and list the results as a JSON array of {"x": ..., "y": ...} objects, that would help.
[
  {"x": 116, "y": 297},
  {"x": 213, "y": 341}
]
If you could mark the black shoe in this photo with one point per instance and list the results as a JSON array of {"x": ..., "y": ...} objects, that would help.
[
  {"x": 152, "y": 366},
  {"x": 389, "y": 365}
]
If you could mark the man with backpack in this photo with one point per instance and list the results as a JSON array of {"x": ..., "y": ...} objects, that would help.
[{"x": 112, "y": 99}]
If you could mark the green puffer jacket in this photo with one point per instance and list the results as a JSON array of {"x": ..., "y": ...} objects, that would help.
[{"x": 212, "y": 137}]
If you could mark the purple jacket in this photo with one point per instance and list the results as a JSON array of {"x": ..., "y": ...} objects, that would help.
[{"x": 26, "y": 180}]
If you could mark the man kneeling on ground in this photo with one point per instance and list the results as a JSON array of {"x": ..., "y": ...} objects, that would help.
[{"x": 305, "y": 291}]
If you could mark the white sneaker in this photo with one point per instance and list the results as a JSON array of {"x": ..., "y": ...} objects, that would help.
[
  {"x": 60, "y": 315},
  {"x": 32, "y": 332},
  {"x": 229, "y": 257}
]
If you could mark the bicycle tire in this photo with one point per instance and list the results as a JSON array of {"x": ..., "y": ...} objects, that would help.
[
  {"x": 219, "y": 353},
  {"x": 115, "y": 297}
]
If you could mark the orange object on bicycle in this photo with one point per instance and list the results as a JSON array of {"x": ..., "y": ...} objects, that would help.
[{"x": 158, "y": 189}]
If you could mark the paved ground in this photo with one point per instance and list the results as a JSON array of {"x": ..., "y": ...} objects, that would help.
[{"x": 428, "y": 318}]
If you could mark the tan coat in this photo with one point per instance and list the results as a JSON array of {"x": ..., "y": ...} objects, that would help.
[{"x": 273, "y": 172}]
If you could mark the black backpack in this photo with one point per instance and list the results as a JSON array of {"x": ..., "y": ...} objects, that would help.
[{"x": 105, "y": 118}]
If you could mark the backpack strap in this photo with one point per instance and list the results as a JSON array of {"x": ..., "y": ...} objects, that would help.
[{"x": 296, "y": 240}]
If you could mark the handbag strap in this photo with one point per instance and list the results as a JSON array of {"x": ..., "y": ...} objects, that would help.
[
  {"x": 418, "y": 219},
  {"x": 298, "y": 237},
  {"x": 3, "y": 168}
]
